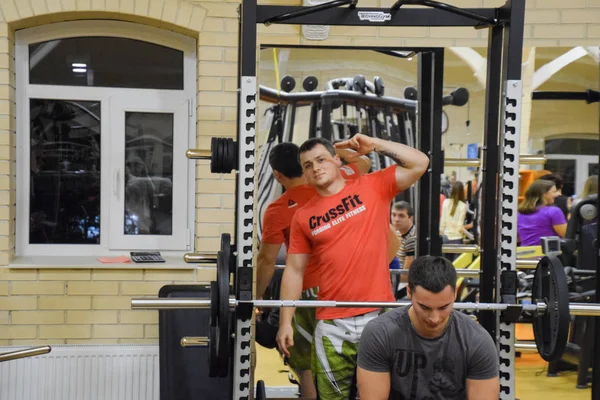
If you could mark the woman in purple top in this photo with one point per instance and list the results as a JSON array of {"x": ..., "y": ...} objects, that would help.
[{"x": 537, "y": 217}]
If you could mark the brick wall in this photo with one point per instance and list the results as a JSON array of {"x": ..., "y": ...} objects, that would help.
[{"x": 76, "y": 306}]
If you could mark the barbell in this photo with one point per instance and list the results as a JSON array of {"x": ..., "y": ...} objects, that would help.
[
  {"x": 550, "y": 309},
  {"x": 223, "y": 155}
]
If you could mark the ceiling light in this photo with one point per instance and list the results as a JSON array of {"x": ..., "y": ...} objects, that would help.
[
  {"x": 79, "y": 70},
  {"x": 79, "y": 65}
]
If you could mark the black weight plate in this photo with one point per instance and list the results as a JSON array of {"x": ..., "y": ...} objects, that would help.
[
  {"x": 310, "y": 83},
  {"x": 288, "y": 83},
  {"x": 224, "y": 334},
  {"x": 220, "y": 155},
  {"x": 225, "y": 164},
  {"x": 234, "y": 154},
  {"x": 214, "y": 303},
  {"x": 214, "y": 159},
  {"x": 213, "y": 356},
  {"x": 226, "y": 248},
  {"x": 379, "y": 86},
  {"x": 229, "y": 162},
  {"x": 551, "y": 330}
]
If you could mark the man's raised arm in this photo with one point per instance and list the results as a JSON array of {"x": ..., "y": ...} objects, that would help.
[{"x": 411, "y": 163}]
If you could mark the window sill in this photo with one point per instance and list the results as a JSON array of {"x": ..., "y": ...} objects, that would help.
[{"x": 171, "y": 263}]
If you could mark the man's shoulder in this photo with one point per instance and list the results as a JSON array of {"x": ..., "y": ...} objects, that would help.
[{"x": 471, "y": 328}]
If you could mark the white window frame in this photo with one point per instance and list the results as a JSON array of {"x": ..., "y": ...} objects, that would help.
[
  {"x": 582, "y": 163},
  {"x": 182, "y": 101}
]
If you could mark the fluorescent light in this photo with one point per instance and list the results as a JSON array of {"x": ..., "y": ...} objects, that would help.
[
  {"x": 79, "y": 65},
  {"x": 79, "y": 70}
]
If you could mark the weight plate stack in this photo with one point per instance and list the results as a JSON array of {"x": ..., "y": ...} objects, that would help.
[{"x": 551, "y": 330}]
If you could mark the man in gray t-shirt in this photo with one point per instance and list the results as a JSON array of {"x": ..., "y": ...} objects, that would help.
[{"x": 427, "y": 350}]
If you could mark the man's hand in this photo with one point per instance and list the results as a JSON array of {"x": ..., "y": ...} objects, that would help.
[
  {"x": 285, "y": 338},
  {"x": 360, "y": 143}
]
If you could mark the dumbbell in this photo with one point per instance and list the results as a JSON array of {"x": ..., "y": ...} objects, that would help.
[{"x": 223, "y": 155}]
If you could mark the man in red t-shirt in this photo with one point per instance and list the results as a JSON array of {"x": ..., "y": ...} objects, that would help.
[
  {"x": 343, "y": 226},
  {"x": 277, "y": 220}
]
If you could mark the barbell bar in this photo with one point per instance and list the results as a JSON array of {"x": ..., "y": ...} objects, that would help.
[
  {"x": 530, "y": 159},
  {"x": 15, "y": 355},
  {"x": 223, "y": 155}
]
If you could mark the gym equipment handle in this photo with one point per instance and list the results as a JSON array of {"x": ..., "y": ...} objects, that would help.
[
  {"x": 195, "y": 341},
  {"x": 35, "y": 351},
  {"x": 198, "y": 154}
]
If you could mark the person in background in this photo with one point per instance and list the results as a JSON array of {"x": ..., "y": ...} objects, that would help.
[
  {"x": 454, "y": 212},
  {"x": 403, "y": 222},
  {"x": 537, "y": 217},
  {"x": 561, "y": 201},
  {"x": 589, "y": 188}
]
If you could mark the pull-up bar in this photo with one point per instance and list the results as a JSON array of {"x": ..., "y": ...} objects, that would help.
[
  {"x": 310, "y": 10},
  {"x": 446, "y": 7}
]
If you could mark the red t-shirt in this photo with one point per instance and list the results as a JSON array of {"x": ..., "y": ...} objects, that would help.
[
  {"x": 348, "y": 234},
  {"x": 278, "y": 219}
]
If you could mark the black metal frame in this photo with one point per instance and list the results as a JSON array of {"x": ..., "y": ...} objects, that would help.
[
  {"x": 596, "y": 356},
  {"x": 505, "y": 25}
]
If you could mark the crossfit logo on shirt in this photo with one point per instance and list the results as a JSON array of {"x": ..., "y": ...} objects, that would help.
[{"x": 349, "y": 207}]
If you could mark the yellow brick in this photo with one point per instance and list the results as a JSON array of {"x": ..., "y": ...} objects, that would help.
[
  {"x": 141, "y": 288},
  {"x": 111, "y": 303},
  {"x": 208, "y": 244},
  {"x": 216, "y": 129},
  {"x": 220, "y": 10},
  {"x": 92, "y": 341},
  {"x": 18, "y": 303},
  {"x": 174, "y": 275},
  {"x": 230, "y": 114},
  {"x": 38, "y": 317},
  {"x": 118, "y": 331},
  {"x": 138, "y": 341},
  {"x": 5, "y": 183},
  {"x": 141, "y": 7},
  {"x": 209, "y": 113},
  {"x": 83, "y": 5},
  {"x": 78, "y": 287},
  {"x": 208, "y": 201},
  {"x": 232, "y": 25},
  {"x": 593, "y": 31},
  {"x": 228, "y": 201},
  {"x": 197, "y": 17},
  {"x": 579, "y": 16},
  {"x": 65, "y": 274},
  {"x": 98, "y": 5},
  {"x": 37, "y": 288},
  {"x": 151, "y": 331},
  {"x": 169, "y": 13},
  {"x": 209, "y": 230},
  {"x": 213, "y": 25},
  {"x": 577, "y": 42},
  {"x": 353, "y": 31},
  {"x": 218, "y": 39},
  {"x": 3, "y": 318},
  {"x": 10, "y": 11},
  {"x": 65, "y": 302},
  {"x": 112, "y": 5},
  {"x": 69, "y": 5},
  {"x": 210, "y": 99},
  {"x": 404, "y": 32},
  {"x": 207, "y": 53},
  {"x": 117, "y": 275},
  {"x": 206, "y": 274},
  {"x": 92, "y": 317},
  {"x": 231, "y": 55},
  {"x": 561, "y": 4},
  {"x": 5, "y": 245},
  {"x": 451, "y": 32},
  {"x": 65, "y": 331},
  {"x": 36, "y": 342},
  {"x": 231, "y": 85},
  {"x": 470, "y": 43},
  {"x": 3, "y": 288},
  {"x": 18, "y": 332},
  {"x": 217, "y": 69},
  {"x": 280, "y": 39},
  {"x": 139, "y": 317},
  {"x": 5, "y": 197},
  {"x": 155, "y": 9},
  {"x": 210, "y": 83},
  {"x": 542, "y": 16},
  {"x": 215, "y": 216},
  {"x": 215, "y": 186},
  {"x": 6, "y": 258},
  {"x": 559, "y": 31}
]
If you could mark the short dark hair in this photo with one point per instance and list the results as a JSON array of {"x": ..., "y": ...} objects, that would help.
[
  {"x": 556, "y": 178},
  {"x": 432, "y": 273},
  {"x": 404, "y": 205},
  {"x": 284, "y": 159},
  {"x": 312, "y": 143}
]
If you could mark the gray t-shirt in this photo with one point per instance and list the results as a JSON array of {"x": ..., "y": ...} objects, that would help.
[{"x": 423, "y": 368}]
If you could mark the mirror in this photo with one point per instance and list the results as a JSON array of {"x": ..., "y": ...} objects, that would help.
[{"x": 560, "y": 126}]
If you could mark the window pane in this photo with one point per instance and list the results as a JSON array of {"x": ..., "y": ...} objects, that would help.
[
  {"x": 592, "y": 169},
  {"x": 148, "y": 173},
  {"x": 566, "y": 169},
  {"x": 572, "y": 146},
  {"x": 107, "y": 62},
  {"x": 65, "y": 172}
]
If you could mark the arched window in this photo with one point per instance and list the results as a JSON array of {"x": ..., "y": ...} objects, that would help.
[{"x": 105, "y": 113}]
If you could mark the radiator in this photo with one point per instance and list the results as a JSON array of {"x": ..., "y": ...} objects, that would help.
[{"x": 83, "y": 372}]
